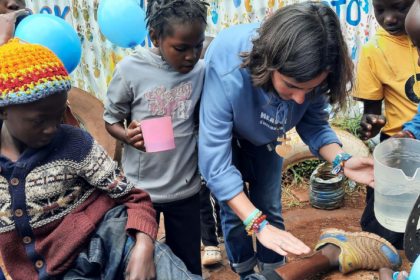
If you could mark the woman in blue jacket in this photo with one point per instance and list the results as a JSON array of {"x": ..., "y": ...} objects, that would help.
[{"x": 261, "y": 81}]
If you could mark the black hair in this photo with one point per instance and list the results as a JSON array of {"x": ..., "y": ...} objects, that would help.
[
  {"x": 301, "y": 41},
  {"x": 162, "y": 14}
]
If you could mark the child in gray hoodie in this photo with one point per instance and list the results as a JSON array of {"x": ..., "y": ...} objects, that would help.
[{"x": 165, "y": 81}]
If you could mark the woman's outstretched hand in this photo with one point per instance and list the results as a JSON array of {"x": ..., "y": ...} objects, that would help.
[
  {"x": 281, "y": 242},
  {"x": 360, "y": 170}
]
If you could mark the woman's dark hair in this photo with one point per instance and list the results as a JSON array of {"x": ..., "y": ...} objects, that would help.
[
  {"x": 301, "y": 41},
  {"x": 162, "y": 14}
]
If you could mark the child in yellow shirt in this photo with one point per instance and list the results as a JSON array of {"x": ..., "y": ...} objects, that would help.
[{"x": 385, "y": 72}]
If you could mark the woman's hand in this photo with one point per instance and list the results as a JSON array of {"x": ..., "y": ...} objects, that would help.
[
  {"x": 7, "y": 25},
  {"x": 281, "y": 242},
  {"x": 141, "y": 265},
  {"x": 360, "y": 170}
]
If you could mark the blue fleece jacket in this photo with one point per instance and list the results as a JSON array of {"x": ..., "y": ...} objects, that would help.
[
  {"x": 232, "y": 107},
  {"x": 414, "y": 125}
]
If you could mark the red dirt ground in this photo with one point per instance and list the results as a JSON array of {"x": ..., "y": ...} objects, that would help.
[{"x": 306, "y": 223}]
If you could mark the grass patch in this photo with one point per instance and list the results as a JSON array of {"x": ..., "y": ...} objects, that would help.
[{"x": 349, "y": 124}]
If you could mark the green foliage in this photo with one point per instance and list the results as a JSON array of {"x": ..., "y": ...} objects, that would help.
[
  {"x": 304, "y": 169},
  {"x": 349, "y": 124}
]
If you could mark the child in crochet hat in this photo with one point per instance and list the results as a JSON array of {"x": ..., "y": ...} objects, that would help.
[
  {"x": 11, "y": 12},
  {"x": 66, "y": 210}
]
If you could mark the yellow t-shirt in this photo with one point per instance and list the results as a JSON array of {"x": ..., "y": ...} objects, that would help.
[{"x": 385, "y": 71}]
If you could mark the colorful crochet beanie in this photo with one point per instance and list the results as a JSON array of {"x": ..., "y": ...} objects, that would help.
[{"x": 29, "y": 72}]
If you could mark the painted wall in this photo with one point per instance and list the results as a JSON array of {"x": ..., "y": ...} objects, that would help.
[{"x": 99, "y": 56}]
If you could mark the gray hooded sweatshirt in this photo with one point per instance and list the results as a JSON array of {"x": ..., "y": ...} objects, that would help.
[{"x": 145, "y": 87}]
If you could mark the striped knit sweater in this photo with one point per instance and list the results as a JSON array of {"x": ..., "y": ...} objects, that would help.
[{"x": 53, "y": 198}]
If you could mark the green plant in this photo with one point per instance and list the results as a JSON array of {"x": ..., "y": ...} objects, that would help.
[
  {"x": 349, "y": 124},
  {"x": 304, "y": 169}
]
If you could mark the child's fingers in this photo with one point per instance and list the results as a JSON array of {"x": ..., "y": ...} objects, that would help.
[
  {"x": 133, "y": 132},
  {"x": 403, "y": 275},
  {"x": 363, "y": 134},
  {"x": 382, "y": 120},
  {"x": 365, "y": 126},
  {"x": 134, "y": 124},
  {"x": 371, "y": 119},
  {"x": 136, "y": 138},
  {"x": 139, "y": 145}
]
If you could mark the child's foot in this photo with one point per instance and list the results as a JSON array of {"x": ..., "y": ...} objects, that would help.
[
  {"x": 211, "y": 256},
  {"x": 360, "y": 250}
]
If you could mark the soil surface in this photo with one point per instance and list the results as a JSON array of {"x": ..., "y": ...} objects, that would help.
[{"x": 306, "y": 223}]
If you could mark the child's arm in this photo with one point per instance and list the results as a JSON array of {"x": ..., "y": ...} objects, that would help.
[
  {"x": 412, "y": 126},
  {"x": 372, "y": 120},
  {"x": 131, "y": 136},
  {"x": 101, "y": 172},
  {"x": 369, "y": 89},
  {"x": 117, "y": 108}
]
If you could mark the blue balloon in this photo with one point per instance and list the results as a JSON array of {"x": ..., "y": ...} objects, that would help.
[
  {"x": 54, "y": 33},
  {"x": 122, "y": 22}
]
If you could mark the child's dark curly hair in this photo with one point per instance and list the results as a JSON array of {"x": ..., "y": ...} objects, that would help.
[
  {"x": 301, "y": 41},
  {"x": 162, "y": 14}
]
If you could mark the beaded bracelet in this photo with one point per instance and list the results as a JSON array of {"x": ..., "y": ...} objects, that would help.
[
  {"x": 258, "y": 225},
  {"x": 249, "y": 226}
]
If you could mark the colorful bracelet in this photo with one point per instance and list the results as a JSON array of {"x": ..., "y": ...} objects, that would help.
[
  {"x": 409, "y": 134},
  {"x": 249, "y": 226},
  {"x": 339, "y": 158},
  {"x": 259, "y": 224},
  {"x": 248, "y": 220},
  {"x": 263, "y": 224},
  {"x": 339, "y": 162}
]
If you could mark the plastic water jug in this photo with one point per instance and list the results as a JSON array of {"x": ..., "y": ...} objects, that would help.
[{"x": 397, "y": 181}]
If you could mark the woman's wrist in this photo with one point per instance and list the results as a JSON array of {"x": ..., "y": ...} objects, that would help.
[{"x": 339, "y": 162}]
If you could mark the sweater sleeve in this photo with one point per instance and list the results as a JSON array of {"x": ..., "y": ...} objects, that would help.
[
  {"x": 215, "y": 150},
  {"x": 102, "y": 172},
  {"x": 314, "y": 128},
  {"x": 414, "y": 125}
]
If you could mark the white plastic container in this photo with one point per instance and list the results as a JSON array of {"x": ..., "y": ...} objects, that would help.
[{"x": 397, "y": 181}]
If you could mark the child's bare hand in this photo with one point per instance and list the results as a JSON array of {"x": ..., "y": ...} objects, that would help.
[
  {"x": 401, "y": 134},
  {"x": 371, "y": 125},
  {"x": 387, "y": 274},
  {"x": 134, "y": 136},
  {"x": 7, "y": 25},
  {"x": 141, "y": 265}
]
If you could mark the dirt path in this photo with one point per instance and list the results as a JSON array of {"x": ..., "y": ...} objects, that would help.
[{"x": 306, "y": 224}]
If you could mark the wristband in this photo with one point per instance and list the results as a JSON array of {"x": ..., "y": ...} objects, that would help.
[
  {"x": 339, "y": 163},
  {"x": 339, "y": 158},
  {"x": 248, "y": 220},
  {"x": 263, "y": 224},
  {"x": 409, "y": 134}
]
